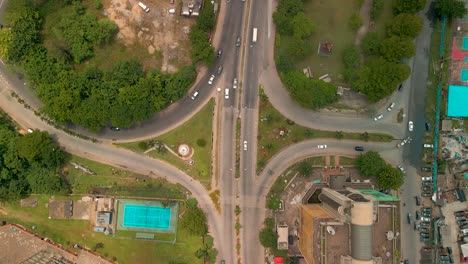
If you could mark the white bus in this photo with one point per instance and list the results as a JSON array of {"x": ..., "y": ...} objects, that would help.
[{"x": 254, "y": 35}]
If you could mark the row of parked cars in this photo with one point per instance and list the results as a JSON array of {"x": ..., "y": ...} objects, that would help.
[
  {"x": 422, "y": 223},
  {"x": 462, "y": 222}
]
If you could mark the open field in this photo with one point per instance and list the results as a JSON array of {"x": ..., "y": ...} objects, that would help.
[
  {"x": 111, "y": 181},
  {"x": 69, "y": 232},
  {"x": 271, "y": 123},
  {"x": 199, "y": 127}
]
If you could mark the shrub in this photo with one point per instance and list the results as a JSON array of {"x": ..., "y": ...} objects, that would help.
[
  {"x": 355, "y": 22},
  {"x": 370, "y": 44},
  {"x": 376, "y": 9},
  {"x": 143, "y": 145},
  {"x": 201, "y": 142}
]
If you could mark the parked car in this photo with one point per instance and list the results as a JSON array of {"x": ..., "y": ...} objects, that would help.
[
  {"x": 459, "y": 213},
  {"x": 400, "y": 87},
  {"x": 425, "y": 219},
  {"x": 112, "y": 128},
  {"x": 426, "y": 194},
  {"x": 377, "y": 118},
  {"x": 220, "y": 52},
  {"x": 425, "y": 224},
  {"x": 458, "y": 218},
  {"x": 418, "y": 215},
  {"x": 428, "y": 127},
  {"x": 424, "y": 234},
  {"x": 410, "y": 126},
  {"x": 429, "y": 145},
  {"x": 428, "y": 178},
  {"x": 220, "y": 70},
  {"x": 426, "y": 169},
  {"x": 426, "y": 214},
  {"x": 424, "y": 239},
  {"x": 418, "y": 200},
  {"x": 426, "y": 188},
  {"x": 424, "y": 229},
  {"x": 390, "y": 107},
  {"x": 410, "y": 218},
  {"x": 401, "y": 169},
  {"x": 427, "y": 183},
  {"x": 417, "y": 226}
]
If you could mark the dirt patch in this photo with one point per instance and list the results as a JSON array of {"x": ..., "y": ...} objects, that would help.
[
  {"x": 28, "y": 202},
  {"x": 163, "y": 35},
  {"x": 3, "y": 211}
]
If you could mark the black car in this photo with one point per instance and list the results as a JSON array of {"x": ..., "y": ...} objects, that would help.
[
  {"x": 400, "y": 87},
  {"x": 428, "y": 127},
  {"x": 427, "y": 169},
  {"x": 462, "y": 222},
  {"x": 424, "y": 229},
  {"x": 115, "y": 128},
  {"x": 417, "y": 215},
  {"x": 359, "y": 148},
  {"x": 426, "y": 188},
  {"x": 418, "y": 200},
  {"x": 427, "y": 183},
  {"x": 459, "y": 213},
  {"x": 406, "y": 261},
  {"x": 424, "y": 234},
  {"x": 425, "y": 224},
  {"x": 220, "y": 52},
  {"x": 426, "y": 209}
]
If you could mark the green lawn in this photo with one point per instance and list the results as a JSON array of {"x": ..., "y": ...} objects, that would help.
[
  {"x": 69, "y": 232},
  {"x": 347, "y": 161},
  {"x": 382, "y": 21},
  {"x": 199, "y": 127},
  {"x": 316, "y": 161},
  {"x": 111, "y": 181},
  {"x": 271, "y": 142},
  {"x": 331, "y": 24}
]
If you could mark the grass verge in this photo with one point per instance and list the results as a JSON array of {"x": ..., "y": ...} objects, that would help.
[
  {"x": 347, "y": 161},
  {"x": 275, "y": 132},
  {"x": 69, "y": 232},
  {"x": 112, "y": 181},
  {"x": 196, "y": 132}
]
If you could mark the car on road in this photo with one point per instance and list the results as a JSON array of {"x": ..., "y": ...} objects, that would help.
[
  {"x": 400, "y": 87},
  {"x": 390, "y": 107},
  {"x": 238, "y": 41},
  {"x": 377, "y": 118},
  {"x": 195, "y": 94},
  {"x": 234, "y": 83},
  {"x": 428, "y": 145},
  {"x": 426, "y": 169},
  {"x": 321, "y": 146},
  {"x": 401, "y": 169},
  {"x": 418, "y": 200},
  {"x": 212, "y": 77},
  {"x": 226, "y": 93},
  {"x": 401, "y": 144},
  {"x": 112, "y": 128},
  {"x": 359, "y": 148},
  {"x": 220, "y": 52},
  {"x": 410, "y": 126},
  {"x": 428, "y": 127},
  {"x": 410, "y": 218},
  {"x": 245, "y": 145},
  {"x": 428, "y": 178},
  {"x": 219, "y": 70}
]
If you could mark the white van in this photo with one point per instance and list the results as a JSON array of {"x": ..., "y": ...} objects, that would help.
[{"x": 144, "y": 7}]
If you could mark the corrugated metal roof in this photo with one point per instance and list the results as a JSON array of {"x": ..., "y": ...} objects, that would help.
[{"x": 361, "y": 242}]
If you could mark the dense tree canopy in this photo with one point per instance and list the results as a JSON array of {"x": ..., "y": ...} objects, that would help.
[
  {"x": 390, "y": 178},
  {"x": 194, "y": 221},
  {"x": 284, "y": 15},
  {"x": 28, "y": 164},
  {"x": 307, "y": 92},
  {"x": 379, "y": 78},
  {"x": 371, "y": 43},
  {"x": 91, "y": 97},
  {"x": 450, "y": 8},
  {"x": 370, "y": 164},
  {"x": 395, "y": 48},
  {"x": 408, "y": 6},
  {"x": 405, "y": 25}
]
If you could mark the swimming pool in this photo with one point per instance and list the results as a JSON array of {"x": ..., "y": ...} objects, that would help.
[
  {"x": 465, "y": 43},
  {"x": 464, "y": 75},
  {"x": 145, "y": 216}
]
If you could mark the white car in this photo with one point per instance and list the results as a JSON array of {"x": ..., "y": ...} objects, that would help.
[
  {"x": 410, "y": 126},
  {"x": 428, "y": 145},
  {"x": 402, "y": 169},
  {"x": 425, "y": 219},
  {"x": 322, "y": 146},
  {"x": 426, "y": 178},
  {"x": 226, "y": 93},
  {"x": 390, "y": 107},
  {"x": 212, "y": 77},
  {"x": 245, "y": 145},
  {"x": 195, "y": 94},
  {"x": 378, "y": 117},
  {"x": 234, "y": 83}
]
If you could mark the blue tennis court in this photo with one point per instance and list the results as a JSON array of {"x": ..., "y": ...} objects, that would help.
[
  {"x": 465, "y": 43},
  {"x": 145, "y": 216}
]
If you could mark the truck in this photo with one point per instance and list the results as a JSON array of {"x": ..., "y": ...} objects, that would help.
[
  {"x": 144, "y": 7},
  {"x": 254, "y": 35}
]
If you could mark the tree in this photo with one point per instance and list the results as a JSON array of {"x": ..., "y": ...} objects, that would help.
[
  {"x": 285, "y": 11},
  {"x": 390, "y": 178},
  {"x": 408, "y": 6},
  {"x": 376, "y": 9},
  {"x": 305, "y": 169},
  {"x": 302, "y": 25},
  {"x": 206, "y": 19},
  {"x": 194, "y": 221},
  {"x": 379, "y": 78},
  {"x": 37, "y": 147},
  {"x": 307, "y": 92},
  {"x": 268, "y": 238},
  {"x": 299, "y": 47},
  {"x": 371, "y": 43},
  {"x": 405, "y": 25},
  {"x": 395, "y": 48},
  {"x": 201, "y": 142},
  {"x": 191, "y": 203},
  {"x": 6, "y": 38},
  {"x": 351, "y": 57},
  {"x": 370, "y": 164},
  {"x": 450, "y": 8}
]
